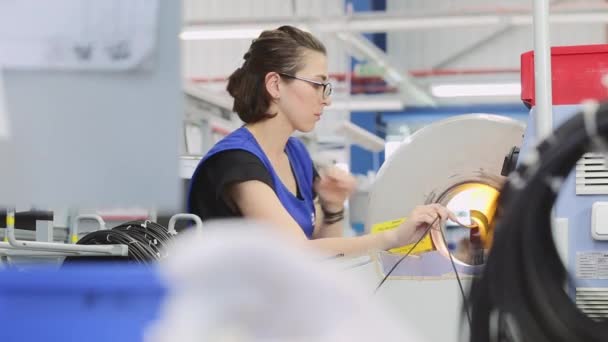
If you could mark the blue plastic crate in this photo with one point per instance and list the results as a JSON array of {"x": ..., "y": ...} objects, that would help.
[{"x": 79, "y": 303}]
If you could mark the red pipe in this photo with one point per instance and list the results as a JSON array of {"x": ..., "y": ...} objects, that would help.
[
  {"x": 452, "y": 72},
  {"x": 415, "y": 73}
]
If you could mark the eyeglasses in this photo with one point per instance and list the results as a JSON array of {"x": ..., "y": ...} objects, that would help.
[{"x": 327, "y": 87}]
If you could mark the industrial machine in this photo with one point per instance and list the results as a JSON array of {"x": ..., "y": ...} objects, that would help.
[
  {"x": 554, "y": 208},
  {"x": 580, "y": 227},
  {"x": 459, "y": 162},
  {"x": 462, "y": 162}
]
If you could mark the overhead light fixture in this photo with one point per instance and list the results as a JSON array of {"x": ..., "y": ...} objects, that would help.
[
  {"x": 366, "y": 103},
  {"x": 478, "y": 89},
  {"x": 216, "y": 34}
]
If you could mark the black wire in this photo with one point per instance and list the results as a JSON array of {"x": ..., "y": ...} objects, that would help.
[
  {"x": 135, "y": 247},
  {"x": 156, "y": 236},
  {"x": 406, "y": 254},
  {"x": 147, "y": 240},
  {"x": 136, "y": 240},
  {"x": 465, "y": 301},
  {"x": 160, "y": 230},
  {"x": 141, "y": 238}
]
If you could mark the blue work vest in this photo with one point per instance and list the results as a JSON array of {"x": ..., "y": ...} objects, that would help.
[{"x": 302, "y": 210}]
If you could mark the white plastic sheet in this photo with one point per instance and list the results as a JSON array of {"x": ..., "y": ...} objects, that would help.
[{"x": 242, "y": 282}]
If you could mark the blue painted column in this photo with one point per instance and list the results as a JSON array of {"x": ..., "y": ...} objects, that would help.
[{"x": 362, "y": 161}]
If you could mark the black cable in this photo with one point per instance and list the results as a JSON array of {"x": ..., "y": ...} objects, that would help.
[
  {"x": 406, "y": 254},
  {"x": 160, "y": 236},
  {"x": 141, "y": 238},
  {"x": 136, "y": 249},
  {"x": 156, "y": 236},
  {"x": 465, "y": 301},
  {"x": 520, "y": 294},
  {"x": 160, "y": 230},
  {"x": 147, "y": 241},
  {"x": 154, "y": 241}
]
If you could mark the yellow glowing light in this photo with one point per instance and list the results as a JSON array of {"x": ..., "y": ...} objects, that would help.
[{"x": 474, "y": 203}]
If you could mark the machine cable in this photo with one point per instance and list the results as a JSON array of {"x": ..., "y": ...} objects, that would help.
[
  {"x": 465, "y": 301},
  {"x": 405, "y": 255},
  {"x": 430, "y": 226}
]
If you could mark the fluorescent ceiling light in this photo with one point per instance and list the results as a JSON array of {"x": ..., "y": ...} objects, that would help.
[
  {"x": 366, "y": 103},
  {"x": 216, "y": 32},
  {"x": 220, "y": 34},
  {"x": 480, "y": 89}
]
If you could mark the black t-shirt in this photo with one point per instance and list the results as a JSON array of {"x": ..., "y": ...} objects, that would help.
[{"x": 207, "y": 197}]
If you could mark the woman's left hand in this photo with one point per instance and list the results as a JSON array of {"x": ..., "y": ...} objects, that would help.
[{"x": 333, "y": 187}]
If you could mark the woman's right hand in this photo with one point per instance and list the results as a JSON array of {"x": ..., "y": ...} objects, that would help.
[{"x": 416, "y": 224}]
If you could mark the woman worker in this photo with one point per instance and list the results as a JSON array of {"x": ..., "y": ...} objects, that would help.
[{"x": 259, "y": 171}]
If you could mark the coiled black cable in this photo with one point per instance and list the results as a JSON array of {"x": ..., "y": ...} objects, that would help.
[
  {"x": 147, "y": 241},
  {"x": 520, "y": 294}
]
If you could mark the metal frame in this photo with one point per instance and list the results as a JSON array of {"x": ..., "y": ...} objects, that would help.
[
  {"x": 361, "y": 46},
  {"x": 197, "y": 220},
  {"x": 35, "y": 248},
  {"x": 413, "y": 20},
  {"x": 16, "y": 247},
  {"x": 542, "y": 70},
  {"x": 74, "y": 227}
]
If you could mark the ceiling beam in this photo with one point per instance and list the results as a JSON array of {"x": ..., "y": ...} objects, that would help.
[
  {"x": 387, "y": 22},
  {"x": 361, "y": 47}
]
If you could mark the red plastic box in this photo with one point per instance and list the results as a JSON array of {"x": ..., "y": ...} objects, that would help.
[{"x": 577, "y": 73}]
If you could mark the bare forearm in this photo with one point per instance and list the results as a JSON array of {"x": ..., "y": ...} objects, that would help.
[
  {"x": 353, "y": 246},
  {"x": 331, "y": 230}
]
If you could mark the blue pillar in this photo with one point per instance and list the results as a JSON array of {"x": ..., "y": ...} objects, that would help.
[{"x": 362, "y": 161}]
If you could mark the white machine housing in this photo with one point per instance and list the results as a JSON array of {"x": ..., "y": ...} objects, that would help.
[
  {"x": 466, "y": 148},
  {"x": 460, "y": 149}
]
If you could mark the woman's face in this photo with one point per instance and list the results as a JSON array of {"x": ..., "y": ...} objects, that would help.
[{"x": 302, "y": 101}]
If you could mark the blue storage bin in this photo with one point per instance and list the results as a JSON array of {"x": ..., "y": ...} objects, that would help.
[{"x": 79, "y": 303}]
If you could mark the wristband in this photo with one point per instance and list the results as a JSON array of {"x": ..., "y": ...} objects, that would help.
[{"x": 331, "y": 218}]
